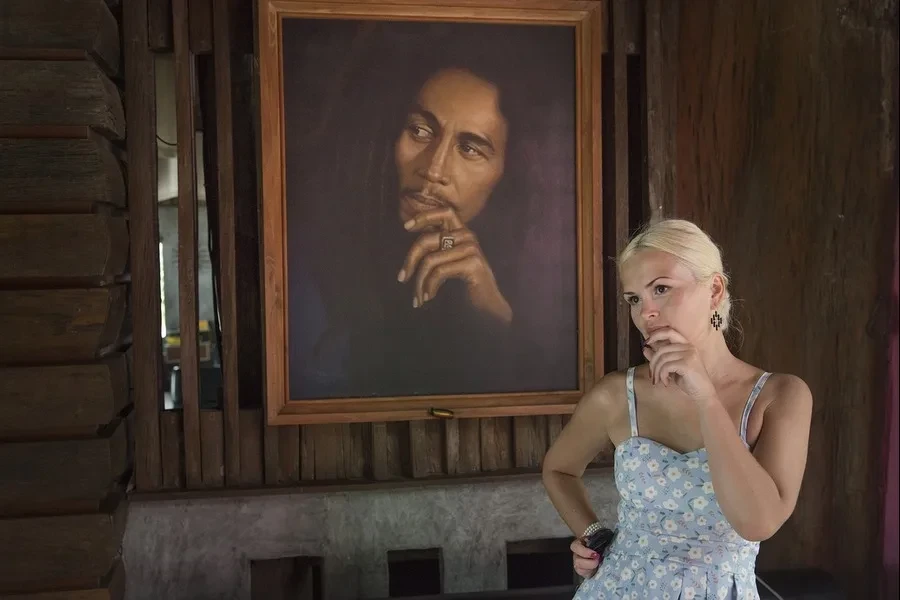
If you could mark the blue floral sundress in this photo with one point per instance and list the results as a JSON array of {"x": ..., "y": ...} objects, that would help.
[{"x": 673, "y": 542}]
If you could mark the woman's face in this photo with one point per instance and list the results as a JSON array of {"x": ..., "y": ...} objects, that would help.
[{"x": 662, "y": 292}]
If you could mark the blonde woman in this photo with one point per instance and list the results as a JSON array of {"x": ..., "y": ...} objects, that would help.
[{"x": 709, "y": 450}]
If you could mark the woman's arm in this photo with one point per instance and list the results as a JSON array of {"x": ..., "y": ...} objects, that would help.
[
  {"x": 758, "y": 492},
  {"x": 584, "y": 436}
]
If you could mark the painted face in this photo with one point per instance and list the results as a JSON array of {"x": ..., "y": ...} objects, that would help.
[{"x": 452, "y": 149}]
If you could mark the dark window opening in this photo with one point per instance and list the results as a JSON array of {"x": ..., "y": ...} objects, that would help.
[
  {"x": 414, "y": 572},
  {"x": 290, "y": 578},
  {"x": 539, "y": 563}
]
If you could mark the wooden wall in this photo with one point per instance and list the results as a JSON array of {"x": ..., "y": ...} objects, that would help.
[
  {"x": 65, "y": 447},
  {"x": 783, "y": 144}
]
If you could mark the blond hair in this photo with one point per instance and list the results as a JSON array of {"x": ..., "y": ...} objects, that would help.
[{"x": 691, "y": 246}]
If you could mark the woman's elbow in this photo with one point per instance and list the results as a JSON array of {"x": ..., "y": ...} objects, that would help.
[{"x": 759, "y": 530}]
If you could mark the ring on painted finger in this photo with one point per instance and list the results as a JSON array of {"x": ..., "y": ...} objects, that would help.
[{"x": 447, "y": 242}]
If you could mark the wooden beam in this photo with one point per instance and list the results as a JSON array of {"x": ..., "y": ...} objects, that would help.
[
  {"x": 201, "y": 25},
  {"x": 661, "y": 38},
  {"x": 42, "y": 402},
  {"x": 185, "y": 85},
  {"x": 61, "y": 476},
  {"x": 76, "y": 549},
  {"x": 140, "y": 97},
  {"x": 47, "y": 326},
  {"x": 37, "y": 92},
  {"x": 62, "y": 248},
  {"x": 159, "y": 23},
  {"x": 620, "y": 171},
  {"x": 81, "y": 25},
  {"x": 110, "y": 587},
  {"x": 226, "y": 250},
  {"x": 59, "y": 175}
]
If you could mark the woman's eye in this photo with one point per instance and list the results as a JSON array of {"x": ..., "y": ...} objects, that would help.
[
  {"x": 632, "y": 300},
  {"x": 662, "y": 289}
]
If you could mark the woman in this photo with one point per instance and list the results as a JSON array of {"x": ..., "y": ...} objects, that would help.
[{"x": 709, "y": 450}]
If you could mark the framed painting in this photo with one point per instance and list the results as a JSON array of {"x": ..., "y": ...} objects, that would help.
[{"x": 430, "y": 207}]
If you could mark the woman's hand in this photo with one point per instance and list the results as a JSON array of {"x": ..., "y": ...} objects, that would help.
[
  {"x": 585, "y": 560},
  {"x": 674, "y": 360}
]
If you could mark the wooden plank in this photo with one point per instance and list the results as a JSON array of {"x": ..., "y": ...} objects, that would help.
[
  {"x": 86, "y": 25},
  {"x": 61, "y": 400},
  {"x": 226, "y": 249},
  {"x": 140, "y": 97},
  {"x": 620, "y": 173},
  {"x": 172, "y": 434},
  {"x": 379, "y": 452},
  {"x": 159, "y": 23},
  {"x": 426, "y": 447},
  {"x": 59, "y": 175},
  {"x": 496, "y": 443},
  {"x": 251, "y": 423},
  {"x": 271, "y": 454},
  {"x": 188, "y": 249},
  {"x": 110, "y": 587},
  {"x": 451, "y": 446},
  {"x": 201, "y": 25},
  {"x": 661, "y": 39},
  {"x": 554, "y": 428},
  {"x": 307, "y": 455},
  {"x": 329, "y": 450},
  {"x": 469, "y": 446},
  {"x": 212, "y": 452},
  {"x": 37, "y": 92},
  {"x": 44, "y": 326},
  {"x": 77, "y": 549},
  {"x": 355, "y": 444},
  {"x": 62, "y": 247},
  {"x": 530, "y": 440},
  {"x": 61, "y": 475},
  {"x": 289, "y": 454}
]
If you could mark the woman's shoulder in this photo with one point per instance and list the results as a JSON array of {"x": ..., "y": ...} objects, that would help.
[
  {"x": 611, "y": 388},
  {"x": 782, "y": 389}
]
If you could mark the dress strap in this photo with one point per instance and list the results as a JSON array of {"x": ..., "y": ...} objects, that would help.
[
  {"x": 632, "y": 405},
  {"x": 745, "y": 418}
]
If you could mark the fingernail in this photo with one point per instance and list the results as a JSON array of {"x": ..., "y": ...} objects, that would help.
[
  {"x": 409, "y": 223},
  {"x": 595, "y": 555},
  {"x": 401, "y": 275},
  {"x": 424, "y": 298},
  {"x": 415, "y": 303}
]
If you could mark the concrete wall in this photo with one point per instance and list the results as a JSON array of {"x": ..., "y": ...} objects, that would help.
[{"x": 201, "y": 549}]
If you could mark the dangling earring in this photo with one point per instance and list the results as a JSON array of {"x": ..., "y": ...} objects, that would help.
[{"x": 716, "y": 320}]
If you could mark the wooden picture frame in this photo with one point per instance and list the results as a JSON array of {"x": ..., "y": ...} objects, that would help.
[{"x": 584, "y": 22}]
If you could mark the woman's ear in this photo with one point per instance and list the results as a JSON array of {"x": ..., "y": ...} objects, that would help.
[{"x": 717, "y": 289}]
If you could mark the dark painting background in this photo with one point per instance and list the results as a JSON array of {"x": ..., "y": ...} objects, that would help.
[{"x": 352, "y": 328}]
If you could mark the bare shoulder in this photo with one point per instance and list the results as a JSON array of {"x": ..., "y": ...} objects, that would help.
[
  {"x": 785, "y": 393},
  {"x": 609, "y": 392}
]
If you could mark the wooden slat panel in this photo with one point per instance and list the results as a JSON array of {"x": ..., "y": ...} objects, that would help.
[
  {"x": 251, "y": 447},
  {"x": 59, "y": 325},
  {"x": 554, "y": 428},
  {"x": 289, "y": 454},
  {"x": 73, "y": 25},
  {"x": 530, "y": 439},
  {"x": 226, "y": 249},
  {"x": 329, "y": 450},
  {"x": 75, "y": 399},
  {"x": 42, "y": 93},
  {"x": 159, "y": 23},
  {"x": 661, "y": 39},
  {"x": 60, "y": 475},
  {"x": 496, "y": 443},
  {"x": 53, "y": 175},
  {"x": 451, "y": 446},
  {"x": 212, "y": 451},
  {"x": 140, "y": 94},
  {"x": 621, "y": 154},
  {"x": 172, "y": 434},
  {"x": 188, "y": 249},
  {"x": 201, "y": 20},
  {"x": 78, "y": 548},
  {"x": 62, "y": 247}
]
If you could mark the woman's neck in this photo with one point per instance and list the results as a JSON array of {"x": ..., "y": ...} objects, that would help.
[{"x": 720, "y": 363}]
